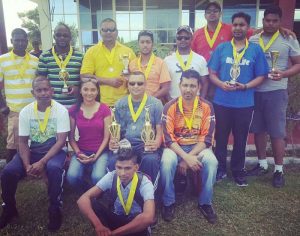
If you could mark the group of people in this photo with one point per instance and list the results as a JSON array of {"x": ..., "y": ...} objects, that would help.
[{"x": 65, "y": 95}]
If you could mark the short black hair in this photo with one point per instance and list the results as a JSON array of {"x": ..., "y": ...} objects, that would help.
[
  {"x": 40, "y": 78},
  {"x": 274, "y": 9},
  {"x": 241, "y": 15},
  {"x": 191, "y": 74},
  {"x": 62, "y": 24},
  {"x": 137, "y": 72},
  {"x": 145, "y": 33},
  {"x": 108, "y": 20},
  {"x": 215, "y": 4},
  {"x": 18, "y": 31},
  {"x": 126, "y": 154}
]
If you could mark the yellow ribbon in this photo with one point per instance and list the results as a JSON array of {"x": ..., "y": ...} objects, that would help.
[
  {"x": 261, "y": 42},
  {"x": 59, "y": 61},
  {"x": 23, "y": 65},
  {"x": 129, "y": 202},
  {"x": 238, "y": 56},
  {"x": 188, "y": 62},
  {"x": 189, "y": 122},
  {"x": 109, "y": 55},
  {"x": 212, "y": 41},
  {"x": 42, "y": 125},
  {"x": 149, "y": 65},
  {"x": 135, "y": 115}
]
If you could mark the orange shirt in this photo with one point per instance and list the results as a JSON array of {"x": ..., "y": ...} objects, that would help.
[
  {"x": 176, "y": 130},
  {"x": 158, "y": 74}
]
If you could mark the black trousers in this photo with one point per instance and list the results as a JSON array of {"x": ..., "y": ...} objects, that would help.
[
  {"x": 237, "y": 121},
  {"x": 111, "y": 220}
]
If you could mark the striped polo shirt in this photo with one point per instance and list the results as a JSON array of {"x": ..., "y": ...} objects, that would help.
[
  {"x": 48, "y": 67},
  {"x": 17, "y": 87}
]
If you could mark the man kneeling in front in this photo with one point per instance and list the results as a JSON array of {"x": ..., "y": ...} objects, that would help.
[
  {"x": 188, "y": 125},
  {"x": 132, "y": 200}
]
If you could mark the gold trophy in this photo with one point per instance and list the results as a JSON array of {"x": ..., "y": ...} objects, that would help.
[
  {"x": 64, "y": 76},
  {"x": 235, "y": 72},
  {"x": 125, "y": 60},
  {"x": 274, "y": 57},
  {"x": 114, "y": 128},
  {"x": 148, "y": 133}
]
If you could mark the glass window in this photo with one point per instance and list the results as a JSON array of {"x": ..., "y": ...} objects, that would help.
[
  {"x": 56, "y": 7},
  {"x": 85, "y": 21},
  {"x": 136, "y": 21},
  {"x": 122, "y": 21},
  {"x": 71, "y": 20},
  {"x": 56, "y": 19},
  {"x": 70, "y": 7},
  {"x": 84, "y": 7}
]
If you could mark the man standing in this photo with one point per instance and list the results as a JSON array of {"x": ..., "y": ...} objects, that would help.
[
  {"x": 132, "y": 200},
  {"x": 46, "y": 123},
  {"x": 61, "y": 64},
  {"x": 154, "y": 68},
  {"x": 271, "y": 96},
  {"x": 130, "y": 114},
  {"x": 244, "y": 65},
  {"x": 188, "y": 125},
  {"x": 17, "y": 70},
  {"x": 184, "y": 59},
  {"x": 104, "y": 62}
]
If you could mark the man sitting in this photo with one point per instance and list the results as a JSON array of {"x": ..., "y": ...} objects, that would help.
[
  {"x": 132, "y": 197},
  {"x": 46, "y": 123},
  {"x": 188, "y": 125}
]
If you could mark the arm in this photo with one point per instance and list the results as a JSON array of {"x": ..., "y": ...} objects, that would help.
[
  {"x": 25, "y": 152},
  {"x": 107, "y": 122},
  {"x": 140, "y": 222},
  {"x": 293, "y": 70},
  {"x": 204, "y": 87},
  {"x": 3, "y": 107},
  {"x": 252, "y": 84},
  {"x": 215, "y": 80},
  {"x": 163, "y": 90}
]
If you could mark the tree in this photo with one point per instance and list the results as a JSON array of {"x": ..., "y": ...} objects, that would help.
[{"x": 31, "y": 22}]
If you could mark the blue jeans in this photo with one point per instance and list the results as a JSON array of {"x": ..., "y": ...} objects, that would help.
[
  {"x": 76, "y": 171},
  {"x": 168, "y": 165},
  {"x": 14, "y": 171}
]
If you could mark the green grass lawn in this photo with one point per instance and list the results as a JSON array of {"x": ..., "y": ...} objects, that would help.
[{"x": 258, "y": 209}]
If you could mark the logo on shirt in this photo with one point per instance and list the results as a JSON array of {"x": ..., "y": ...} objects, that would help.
[{"x": 243, "y": 62}]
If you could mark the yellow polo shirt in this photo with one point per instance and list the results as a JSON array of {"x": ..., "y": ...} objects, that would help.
[{"x": 96, "y": 63}]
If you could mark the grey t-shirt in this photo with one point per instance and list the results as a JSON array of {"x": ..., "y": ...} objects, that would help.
[
  {"x": 132, "y": 130},
  {"x": 287, "y": 47}
]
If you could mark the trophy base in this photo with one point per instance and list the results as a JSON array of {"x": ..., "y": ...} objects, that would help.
[
  {"x": 64, "y": 90},
  {"x": 232, "y": 82},
  {"x": 147, "y": 151},
  {"x": 125, "y": 72}
]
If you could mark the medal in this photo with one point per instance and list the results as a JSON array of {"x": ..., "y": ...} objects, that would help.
[{"x": 111, "y": 69}]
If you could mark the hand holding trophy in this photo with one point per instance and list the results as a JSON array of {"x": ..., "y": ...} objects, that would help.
[
  {"x": 148, "y": 133},
  {"x": 114, "y": 129},
  {"x": 64, "y": 76}
]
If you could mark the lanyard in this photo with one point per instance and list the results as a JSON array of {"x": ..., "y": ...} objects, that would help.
[
  {"x": 59, "y": 61},
  {"x": 189, "y": 122},
  {"x": 211, "y": 41},
  {"x": 135, "y": 115},
  {"x": 238, "y": 56},
  {"x": 42, "y": 125},
  {"x": 261, "y": 42},
  {"x": 129, "y": 202},
  {"x": 149, "y": 65},
  {"x": 188, "y": 63}
]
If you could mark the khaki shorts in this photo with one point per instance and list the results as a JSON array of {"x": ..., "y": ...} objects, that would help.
[{"x": 13, "y": 130}]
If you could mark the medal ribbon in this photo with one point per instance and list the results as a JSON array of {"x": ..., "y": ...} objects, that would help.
[
  {"x": 238, "y": 56},
  {"x": 136, "y": 115},
  {"x": 188, "y": 62},
  {"x": 59, "y": 61},
  {"x": 129, "y": 202},
  {"x": 23, "y": 65},
  {"x": 212, "y": 41},
  {"x": 109, "y": 54},
  {"x": 149, "y": 65},
  {"x": 42, "y": 125},
  {"x": 261, "y": 42},
  {"x": 189, "y": 122}
]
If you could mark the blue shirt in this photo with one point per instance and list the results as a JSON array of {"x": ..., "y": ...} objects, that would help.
[
  {"x": 253, "y": 64},
  {"x": 146, "y": 191}
]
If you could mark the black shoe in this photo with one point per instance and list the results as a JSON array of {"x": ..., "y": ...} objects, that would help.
[
  {"x": 209, "y": 213},
  {"x": 55, "y": 220},
  {"x": 278, "y": 180},
  {"x": 240, "y": 178},
  {"x": 221, "y": 175},
  {"x": 168, "y": 212},
  {"x": 257, "y": 171},
  {"x": 8, "y": 214}
]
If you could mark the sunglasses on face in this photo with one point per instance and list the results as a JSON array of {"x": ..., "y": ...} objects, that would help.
[
  {"x": 179, "y": 38},
  {"x": 58, "y": 35},
  {"x": 136, "y": 83},
  {"x": 108, "y": 30}
]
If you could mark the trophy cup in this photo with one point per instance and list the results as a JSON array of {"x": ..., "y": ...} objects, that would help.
[
  {"x": 274, "y": 57},
  {"x": 148, "y": 133},
  {"x": 64, "y": 76},
  {"x": 114, "y": 128},
  {"x": 235, "y": 71},
  {"x": 125, "y": 60}
]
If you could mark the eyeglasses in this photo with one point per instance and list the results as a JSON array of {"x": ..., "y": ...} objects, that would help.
[
  {"x": 212, "y": 11},
  {"x": 179, "y": 38},
  {"x": 58, "y": 35},
  {"x": 108, "y": 30},
  {"x": 88, "y": 79},
  {"x": 136, "y": 83}
]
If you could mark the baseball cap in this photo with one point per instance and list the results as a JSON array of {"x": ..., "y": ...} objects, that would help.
[
  {"x": 215, "y": 4},
  {"x": 186, "y": 28}
]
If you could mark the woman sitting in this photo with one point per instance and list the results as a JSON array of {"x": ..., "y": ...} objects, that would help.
[{"x": 92, "y": 120}]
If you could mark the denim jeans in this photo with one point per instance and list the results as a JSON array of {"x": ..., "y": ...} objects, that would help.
[
  {"x": 76, "y": 171},
  {"x": 169, "y": 162},
  {"x": 14, "y": 171}
]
